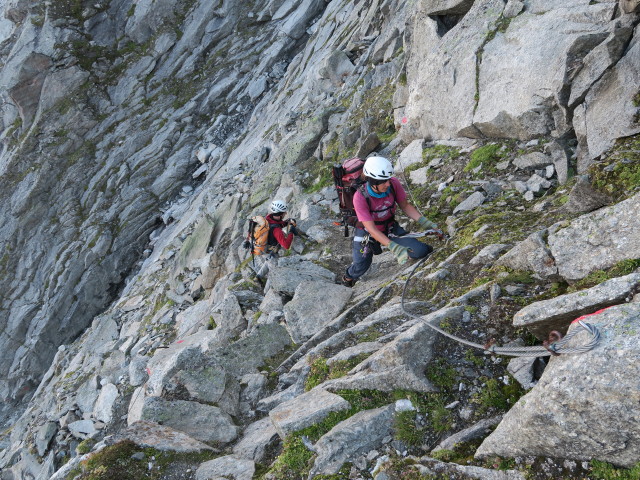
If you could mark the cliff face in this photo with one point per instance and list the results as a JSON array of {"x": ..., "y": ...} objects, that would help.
[
  {"x": 104, "y": 107},
  {"x": 138, "y": 137}
]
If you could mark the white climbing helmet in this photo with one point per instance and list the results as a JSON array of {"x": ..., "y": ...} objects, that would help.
[
  {"x": 378, "y": 167},
  {"x": 278, "y": 206}
]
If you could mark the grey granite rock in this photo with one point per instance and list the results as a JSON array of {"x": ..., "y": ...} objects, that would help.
[
  {"x": 304, "y": 316},
  {"x": 359, "y": 434},
  {"x": 160, "y": 437},
  {"x": 488, "y": 254},
  {"x": 189, "y": 417},
  {"x": 401, "y": 363},
  {"x": 256, "y": 440},
  {"x": 557, "y": 313},
  {"x": 472, "y": 202},
  {"x": 584, "y": 198},
  {"x": 532, "y": 254},
  {"x": 556, "y": 415},
  {"x": 227, "y": 467},
  {"x": 597, "y": 240},
  {"x": 286, "y": 278},
  {"x": 305, "y": 410},
  {"x": 479, "y": 430}
]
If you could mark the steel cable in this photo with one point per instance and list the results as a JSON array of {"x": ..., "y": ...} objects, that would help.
[{"x": 551, "y": 348}]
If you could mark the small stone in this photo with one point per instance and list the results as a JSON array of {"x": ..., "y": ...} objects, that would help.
[
  {"x": 520, "y": 186},
  {"x": 503, "y": 165},
  {"x": 549, "y": 171},
  {"x": 494, "y": 292},
  {"x": 404, "y": 405},
  {"x": 515, "y": 289},
  {"x": 529, "y": 196}
]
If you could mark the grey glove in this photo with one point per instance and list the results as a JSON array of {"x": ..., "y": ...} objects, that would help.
[
  {"x": 401, "y": 252},
  {"x": 424, "y": 222}
]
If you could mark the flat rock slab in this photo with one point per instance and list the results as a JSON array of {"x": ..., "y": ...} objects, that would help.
[
  {"x": 285, "y": 279},
  {"x": 348, "y": 353},
  {"x": 438, "y": 469},
  {"x": 597, "y": 240},
  {"x": 585, "y": 405},
  {"x": 247, "y": 354},
  {"x": 256, "y": 440},
  {"x": 202, "y": 422},
  {"x": 359, "y": 434},
  {"x": 160, "y": 437},
  {"x": 305, "y": 316},
  {"x": 471, "y": 202},
  {"x": 82, "y": 429},
  {"x": 226, "y": 468},
  {"x": 479, "y": 430},
  {"x": 411, "y": 155},
  {"x": 531, "y": 254},
  {"x": 305, "y": 410},
  {"x": 556, "y": 313},
  {"x": 488, "y": 254},
  {"x": 103, "y": 409},
  {"x": 532, "y": 160},
  {"x": 402, "y": 362}
]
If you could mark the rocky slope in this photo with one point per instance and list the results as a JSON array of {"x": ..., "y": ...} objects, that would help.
[{"x": 139, "y": 136}]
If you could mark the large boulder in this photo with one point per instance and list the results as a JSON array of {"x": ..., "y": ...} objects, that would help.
[
  {"x": 286, "y": 277},
  {"x": 523, "y": 70},
  {"x": 359, "y": 434},
  {"x": 441, "y": 76},
  {"x": 202, "y": 422},
  {"x": 400, "y": 364},
  {"x": 584, "y": 406},
  {"x": 160, "y": 437},
  {"x": 305, "y": 410},
  {"x": 532, "y": 254},
  {"x": 303, "y": 314},
  {"x": 597, "y": 240},
  {"x": 611, "y": 97},
  {"x": 227, "y": 467},
  {"x": 557, "y": 313}
]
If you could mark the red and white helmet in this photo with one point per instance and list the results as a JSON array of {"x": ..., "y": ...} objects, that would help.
[
  {"x": 278, "y": 206},
  {"x": 378, "y": 167}
]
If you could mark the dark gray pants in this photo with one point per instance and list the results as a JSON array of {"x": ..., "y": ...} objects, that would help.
[{"x": 362, "y": 261}]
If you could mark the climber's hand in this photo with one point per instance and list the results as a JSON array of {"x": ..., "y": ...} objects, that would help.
[
  {"x": 425, "y": 223},
  {"x": 401, "y": 252}
]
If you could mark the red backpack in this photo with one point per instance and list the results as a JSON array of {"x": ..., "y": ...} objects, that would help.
[{"x": 347, "y": 178}]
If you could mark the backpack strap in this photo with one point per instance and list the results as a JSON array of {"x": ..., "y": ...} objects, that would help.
[
  {"x": 389, "y": 221},
  {"x": 271, "y": 240}
]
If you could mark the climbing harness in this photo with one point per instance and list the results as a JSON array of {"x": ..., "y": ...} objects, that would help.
[
  {"x": 555, "y": 345},
  {"x": 366, "y": 249}
]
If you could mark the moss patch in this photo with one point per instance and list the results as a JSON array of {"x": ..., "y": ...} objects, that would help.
[
  {"x": 606, "y": 471},
  {"x": 321, "y": 371},
  {"x": 486, "y": 156},
  {"x": 620, "y": 269},
  {"x": 116, "y": 461},
  {"x": 496, "y": 396},
  {"x": 618, "y": 175}
]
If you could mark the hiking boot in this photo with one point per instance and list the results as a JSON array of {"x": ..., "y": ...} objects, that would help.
[{"x": 348, "y": 282}]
